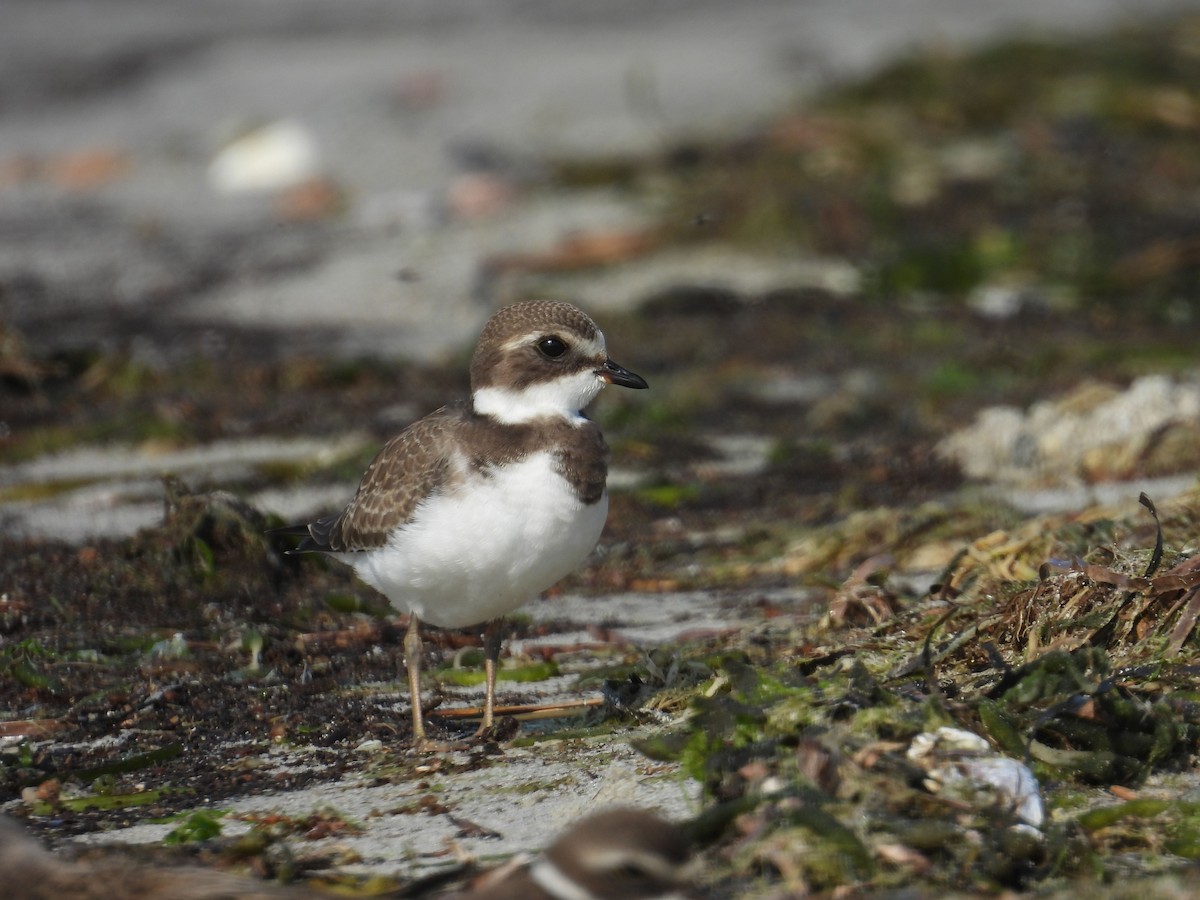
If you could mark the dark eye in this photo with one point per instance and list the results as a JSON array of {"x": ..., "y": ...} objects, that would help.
[
  {"x": 551, "y": 347},
  {"x": 631, "y": 871}
]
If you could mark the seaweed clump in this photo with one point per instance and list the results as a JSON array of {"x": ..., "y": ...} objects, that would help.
[{"x": 1027, "y": 722}]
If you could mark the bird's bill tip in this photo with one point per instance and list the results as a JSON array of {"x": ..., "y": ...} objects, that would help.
[{"x": 613, "y": 373}]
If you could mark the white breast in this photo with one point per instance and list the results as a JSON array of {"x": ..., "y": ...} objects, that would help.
[{"x": 488, "y": 547}]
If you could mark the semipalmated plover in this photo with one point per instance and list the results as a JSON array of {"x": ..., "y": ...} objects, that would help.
[
  {"x": 480, "y": 506},
  {"x": 620, "y": 854}
]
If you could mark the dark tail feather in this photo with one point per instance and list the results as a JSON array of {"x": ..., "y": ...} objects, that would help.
[
  {"x": 292, "y": 530},
  {"x": 315, "y": 535}
]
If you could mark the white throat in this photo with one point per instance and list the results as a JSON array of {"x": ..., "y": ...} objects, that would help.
[{"x": 565, "y": 397}]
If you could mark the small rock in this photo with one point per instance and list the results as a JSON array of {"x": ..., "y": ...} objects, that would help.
[
  {"x": 962, "y": 765},
  {"x": 1094, "y": 433},
  {"x": 269, "y": 157}
]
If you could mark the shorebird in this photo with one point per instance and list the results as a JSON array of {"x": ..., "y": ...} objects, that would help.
[
  {"x": 620, "y": 854},
  {"x": 480, "y": 506}
]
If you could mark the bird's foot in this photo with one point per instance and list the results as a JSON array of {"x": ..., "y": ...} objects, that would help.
[
  {"x": 429, "y": 745},
  {"x": 502, "y": 729}
]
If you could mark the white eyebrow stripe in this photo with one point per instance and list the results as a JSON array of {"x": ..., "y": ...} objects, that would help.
[
  {"x": 550, "y": 878},
  {"x": 587, "y": 346}
]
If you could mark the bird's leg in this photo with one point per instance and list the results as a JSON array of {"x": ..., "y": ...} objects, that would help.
[
  {"x": 492, "y": 638},
  {"x": 412, "y": 661}
]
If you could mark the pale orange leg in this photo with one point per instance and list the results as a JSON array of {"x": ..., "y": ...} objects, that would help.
[
  {"x": 412, "y": 661},
  {"x": 493, "y": 636}
]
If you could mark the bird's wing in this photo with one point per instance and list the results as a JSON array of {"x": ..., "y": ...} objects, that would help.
[{"x": 410, "y": 467}]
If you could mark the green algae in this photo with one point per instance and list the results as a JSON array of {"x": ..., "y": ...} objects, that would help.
[{"x": 517, "y": 674}]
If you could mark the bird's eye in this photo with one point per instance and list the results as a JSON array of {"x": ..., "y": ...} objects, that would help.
[
  {"x": 551, "y": 347},
  {"x": 631, "y": 871}
]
